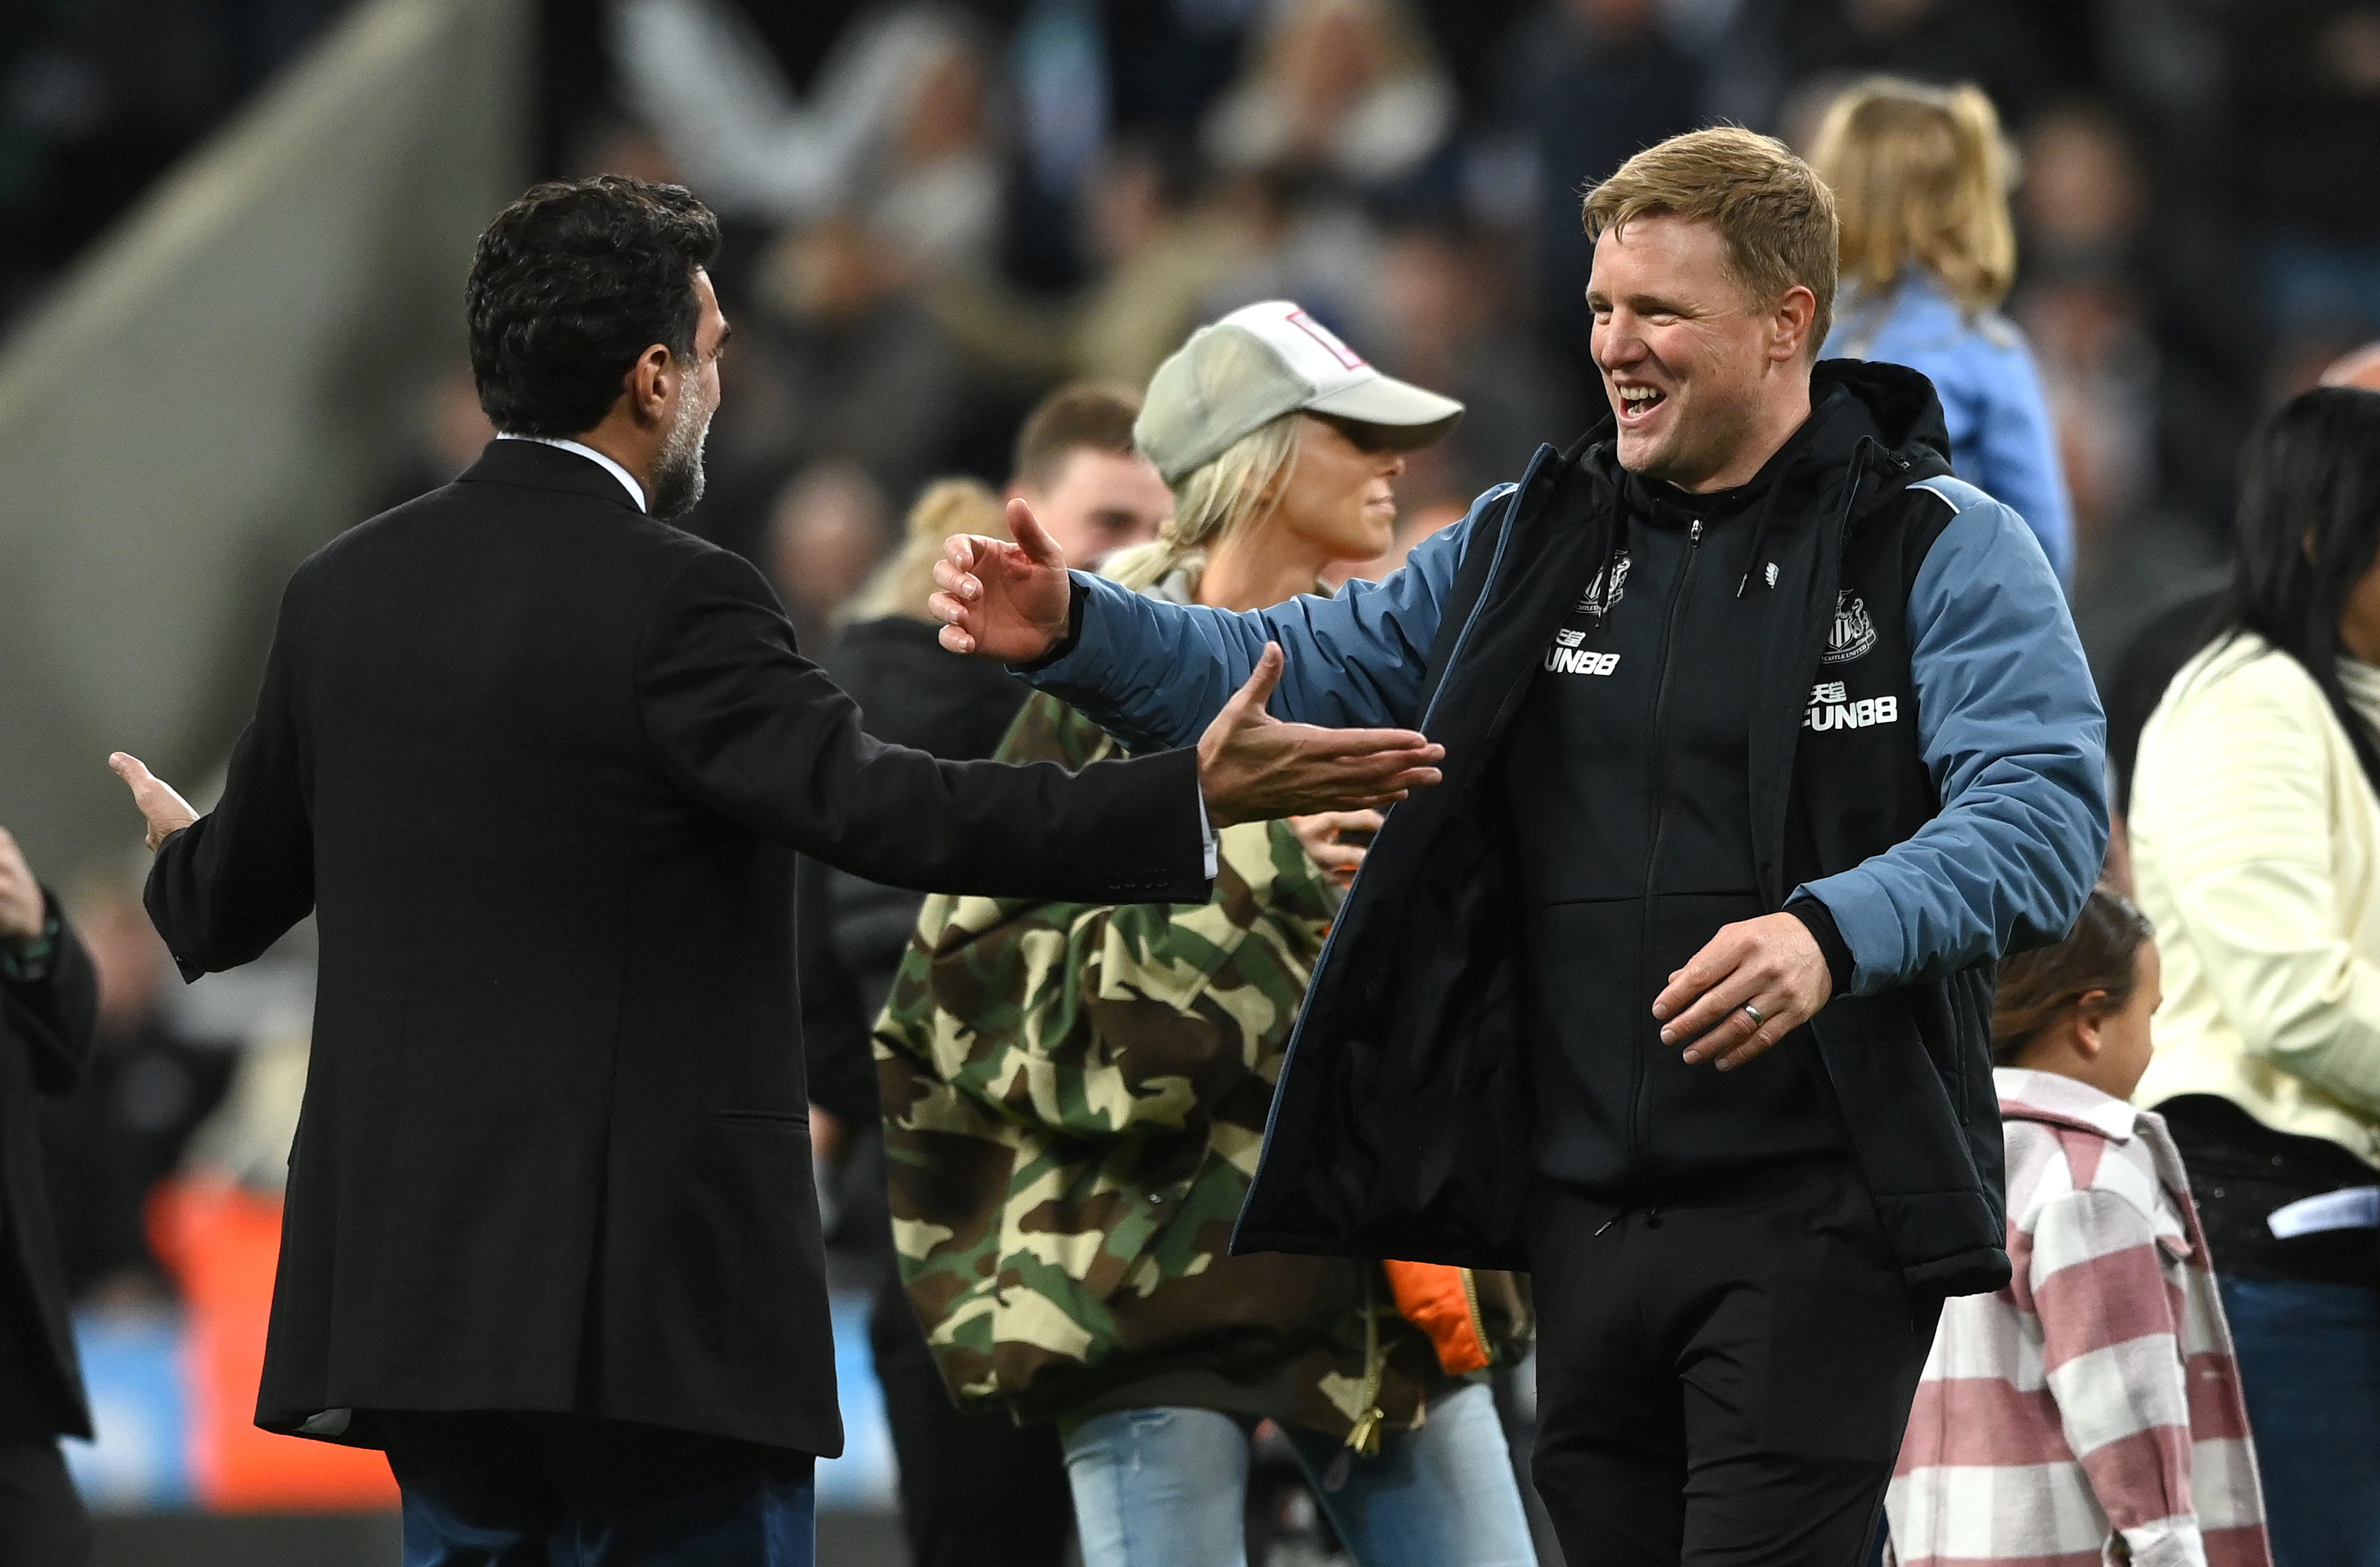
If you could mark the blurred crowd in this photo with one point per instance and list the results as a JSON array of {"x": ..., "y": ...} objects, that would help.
[{"x": 940, "y": 210}]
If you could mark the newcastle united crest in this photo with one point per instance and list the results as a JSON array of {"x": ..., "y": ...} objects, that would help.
[
  {"x": 1853, "y": 633},
  {"x": 1600, "y": 601}
]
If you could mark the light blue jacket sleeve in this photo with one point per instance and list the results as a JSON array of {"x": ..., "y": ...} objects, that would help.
[
  {"x": 2003, "y": 440},
  {"x": 1154, "y": 674},
  {"x": 2017, "y": 456},
  {"x": 2010, "y": 726}
]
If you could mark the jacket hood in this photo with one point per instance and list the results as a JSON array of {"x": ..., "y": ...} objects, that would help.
[
  {"x": 1904, "y": 415},
  {"x": 1851, "y": 400}
]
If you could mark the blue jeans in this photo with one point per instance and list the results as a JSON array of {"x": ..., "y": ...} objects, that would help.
[
  {"x": 487, "y": 1489},
  {"x": 1168, "y": 1488},
  {"x": 2310, "y": 1366}
]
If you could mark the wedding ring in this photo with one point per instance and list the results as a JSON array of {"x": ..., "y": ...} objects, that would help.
[{"x": 1754, "y": 1014}]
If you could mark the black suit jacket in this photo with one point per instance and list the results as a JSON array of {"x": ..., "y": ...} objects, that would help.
[
  {"x": 46, "y": 1028},
  {"x": 539, "y": 764}
]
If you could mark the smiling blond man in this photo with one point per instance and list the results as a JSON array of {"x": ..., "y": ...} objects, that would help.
[{"x": 1766, "y": 739}]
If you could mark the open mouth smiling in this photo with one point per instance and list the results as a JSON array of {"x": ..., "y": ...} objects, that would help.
[{"x": 1637, "y": 404}]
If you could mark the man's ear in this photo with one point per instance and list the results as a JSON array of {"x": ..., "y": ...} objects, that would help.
[
  {"x": 650, "y": 381},
  {"x": 1796, "y": 312}
]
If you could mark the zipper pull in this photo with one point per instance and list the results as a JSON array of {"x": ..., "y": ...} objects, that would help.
[{"x": 1694, "y": 535}]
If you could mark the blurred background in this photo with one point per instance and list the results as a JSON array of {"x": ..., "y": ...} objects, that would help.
[{"x": 233, "y": 235}]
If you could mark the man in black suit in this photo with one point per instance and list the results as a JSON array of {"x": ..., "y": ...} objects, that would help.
[
  {"x": 48, "y": 1000},
  {"x": 538, "y": 762}
]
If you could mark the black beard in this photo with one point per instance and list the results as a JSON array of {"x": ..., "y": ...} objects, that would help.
[{"x": 677, "y": 485}]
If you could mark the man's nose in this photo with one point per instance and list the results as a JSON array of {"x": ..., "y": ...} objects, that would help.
[
  {"x": 1395, "y": 466},
  {"x": 1616, "y": 344}
]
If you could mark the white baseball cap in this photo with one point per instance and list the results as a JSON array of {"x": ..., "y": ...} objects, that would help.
[{"x": 1262, "y": 361}]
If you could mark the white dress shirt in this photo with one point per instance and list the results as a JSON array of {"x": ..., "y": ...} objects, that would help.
[{"x": 627, "y": 480}]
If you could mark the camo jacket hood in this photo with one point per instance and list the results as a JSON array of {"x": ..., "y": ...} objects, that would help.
[{"x": 1074, "y": 1097}]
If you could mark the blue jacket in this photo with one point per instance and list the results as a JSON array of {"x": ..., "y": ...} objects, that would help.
[
  {"x": 2008, "y": 721},
  {"x": 1982, "y": 841},
  {"x": 2002, "y": 437}
]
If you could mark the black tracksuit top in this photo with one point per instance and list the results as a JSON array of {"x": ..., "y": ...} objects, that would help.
[{"x": 1628, "y": 801}]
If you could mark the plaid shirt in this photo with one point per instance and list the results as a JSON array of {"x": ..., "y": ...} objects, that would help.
[{"x": 2089, "y": 1412}]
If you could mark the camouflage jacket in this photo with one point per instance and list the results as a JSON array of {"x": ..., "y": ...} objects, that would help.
[{"x": 1074, "y": 1097}]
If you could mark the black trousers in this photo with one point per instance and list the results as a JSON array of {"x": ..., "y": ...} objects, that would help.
[
  {"x": 976, "y": 1489},
  {"x": 1722, "y": 1380},
  {"x": 42, "y": 1519}
]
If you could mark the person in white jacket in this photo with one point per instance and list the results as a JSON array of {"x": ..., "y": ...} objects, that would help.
[{"x": 2256, "y": 846}]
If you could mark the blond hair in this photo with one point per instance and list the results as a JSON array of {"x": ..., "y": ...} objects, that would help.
[
  {"x": 900, "y": 586},
  {"x": 1230, "y": 490},
  {"x": 1921, "y": 176},
  {"x": 1775, "y": 214}
]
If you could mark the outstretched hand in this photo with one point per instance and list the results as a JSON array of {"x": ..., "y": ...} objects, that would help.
[
  {"x": 167, "y": 812},
  {"x": 1004, "y": 600},
  {"x": 1253, "y": 766}
]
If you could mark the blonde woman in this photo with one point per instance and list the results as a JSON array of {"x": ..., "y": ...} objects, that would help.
[
  {"x": 1921, "y": 179},
  {"x": 1075, "y": 1094}
]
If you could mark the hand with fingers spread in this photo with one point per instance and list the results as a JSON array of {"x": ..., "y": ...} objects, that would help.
[
  {"x": 166, "y": 812},
  {"x": 1752, "y": 984},
  {"x": 1326, "y": 835},
  {"x": 1004, "y": 600},
  {"x": 24, "y": 911},
  {"x": 1253, "y": 766}
]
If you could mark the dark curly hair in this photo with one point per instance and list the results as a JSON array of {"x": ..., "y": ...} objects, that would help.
[{"x": 570, "y": 285}]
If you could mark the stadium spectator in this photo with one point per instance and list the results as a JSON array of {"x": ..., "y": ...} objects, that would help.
[
  {"x": 48, "y": 997},
  {"x": 2091, "y": 1410},
  {"x": 1111, "y": 1104},
  {"x": 1921, "y": 183},
  {"x": 1088, "y": 486},
  {"x": 2255, "y": 834}
]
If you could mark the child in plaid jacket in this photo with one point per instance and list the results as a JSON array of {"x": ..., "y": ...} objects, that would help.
[{"x": 2089, "y": 1412}]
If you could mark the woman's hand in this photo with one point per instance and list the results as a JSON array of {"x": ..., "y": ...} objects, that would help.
[{"x": 1323, "y": 835}]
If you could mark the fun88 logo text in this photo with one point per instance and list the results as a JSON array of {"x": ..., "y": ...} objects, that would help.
[
  {"x": 1831, "y": 708},
  {"x": 1566, "y": 657}
]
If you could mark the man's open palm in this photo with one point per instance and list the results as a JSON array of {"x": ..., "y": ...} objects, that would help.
[
  {"x": 1253, "y": 766},
  {"x": 1004, "y": 600}
]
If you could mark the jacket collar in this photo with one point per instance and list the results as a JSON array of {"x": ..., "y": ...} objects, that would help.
[
  {"x": 536, "y": 465},
  {"x": 2061, "y": 1101}
]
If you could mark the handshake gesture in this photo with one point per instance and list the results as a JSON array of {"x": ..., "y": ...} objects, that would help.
[{"x": 1011, "y": 603}]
